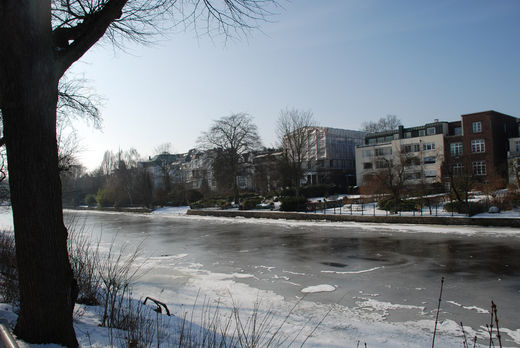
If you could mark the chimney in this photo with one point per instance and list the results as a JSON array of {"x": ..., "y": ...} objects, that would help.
[{"x": 436, "y": 120}]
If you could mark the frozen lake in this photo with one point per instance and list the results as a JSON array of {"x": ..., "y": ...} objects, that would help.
[{"x": 380, "y": 282}]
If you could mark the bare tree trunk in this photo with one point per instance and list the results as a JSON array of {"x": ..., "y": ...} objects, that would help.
[{"x": 29, "y": 96}]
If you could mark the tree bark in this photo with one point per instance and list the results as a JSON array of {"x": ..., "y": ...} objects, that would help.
[{"x": 28, "y": 97}]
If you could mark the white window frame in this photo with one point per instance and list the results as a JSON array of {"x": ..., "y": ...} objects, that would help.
[
  {"x": 456, "y": 149},
  {"x": 478, "y": 145},
  {"x": 428, "y": 146},
  {"x": 457, "y": 168},
  {"x": 479, "y": 168},
  {"x": 477, "y": 126}
]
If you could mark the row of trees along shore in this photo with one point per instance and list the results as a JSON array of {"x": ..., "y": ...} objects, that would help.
[{"x": 120, "y": 181}]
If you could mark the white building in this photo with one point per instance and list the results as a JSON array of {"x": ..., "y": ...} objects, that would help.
[{"x": 418, "y": 151}]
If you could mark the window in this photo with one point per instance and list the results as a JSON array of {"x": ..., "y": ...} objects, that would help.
[
  {"x": 412, "y": 161},
  {"x": 367, "y": 165},
  {"x": 428, "y": 146},
  {"x": 479, "y": 168},
  {"x": 430, "y": 173},
  {"x": 382, "y": 151},
  {"x": 457, "y": 168},
  {"x": 422, "y": 132},
  {"x": 477, "y": 127},
  {"x": 411, "y": 148},
  {"x": 368, "y": 153},
  {"x": 382, "y": 164},
  {"x": 429, "y": 160},
  {"x": 430, "y": 130},
  {"x": 372, "y": 141},
  {"x": 408, "y": 134},
  {"x": 517, "y": 146},
  {"x": 413, "y": 176},
  {"x": 456, "y": 149},
  {"x": 478, "y": 145},
  {"x": 457, "y": 131}
]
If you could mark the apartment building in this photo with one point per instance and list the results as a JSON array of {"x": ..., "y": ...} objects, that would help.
[
  {"x": 417, "y": 153},
  {"x": 477, "y": 145}
]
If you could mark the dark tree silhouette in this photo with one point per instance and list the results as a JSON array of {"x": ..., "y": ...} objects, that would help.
[
  {"x": 232, "y": 136},
  {"x": 40, "y": 40}
]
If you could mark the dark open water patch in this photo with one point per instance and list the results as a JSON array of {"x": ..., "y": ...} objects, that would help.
[{"x": 334, "y": 264}]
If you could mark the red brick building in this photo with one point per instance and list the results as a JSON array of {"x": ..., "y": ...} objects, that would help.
[{"x": 478, "y": 144}]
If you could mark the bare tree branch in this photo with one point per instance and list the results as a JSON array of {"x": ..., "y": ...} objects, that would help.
[
  {"x": 390, "y": 122},
  {"x": 77, "y": 101},
  {"x": 293, "y": 130}
]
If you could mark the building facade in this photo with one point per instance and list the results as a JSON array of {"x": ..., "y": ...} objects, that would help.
[
  {"x": 330, "y": 156},
  {"x": 416, "y": 154},
  {"x": 478, "y": 144},
  {"x": 475, "y": 146}
]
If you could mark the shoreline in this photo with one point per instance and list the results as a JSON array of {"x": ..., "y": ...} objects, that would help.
[
  {"x": 304, "y": 216},
  {"x": 417, "y": 220}
]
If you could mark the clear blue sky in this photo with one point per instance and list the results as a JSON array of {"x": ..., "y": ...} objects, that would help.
[{"x": 348, "y": 61}]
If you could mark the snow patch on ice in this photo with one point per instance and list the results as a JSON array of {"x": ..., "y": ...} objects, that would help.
[
  {"x": 371, "y": 304},
  {"x": 268, "y": 268},
  {"x": 318, "y": 288},
  {"x": 514, "y": 334},
  {"x": 171, "y": 210},
  {"x": 475, "y": 308},
  {"x": 295, "y": 273},
  {"x": 354, "y": 272}
]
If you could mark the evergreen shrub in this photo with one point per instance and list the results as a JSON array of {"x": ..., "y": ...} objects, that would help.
[
  {"x": 293, "y": 203},
  {"x": 250, "y": 203}
]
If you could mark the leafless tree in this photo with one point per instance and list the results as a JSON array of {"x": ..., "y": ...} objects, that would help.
[
  {"x": 232, "y": 136},
  {"x": 293, "y": 129},
  {"x": 390, "y": 122},
  {"x": 514, "y": 172},
  {"x": 389, "y": 177},
  {"x": 68, "y": 148},
  {"x": 40, "y": 40},
  {"x": 163, "y": 148}
]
